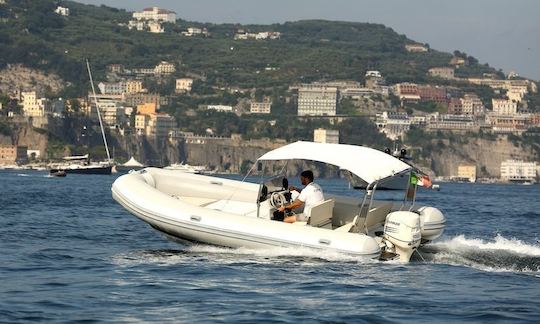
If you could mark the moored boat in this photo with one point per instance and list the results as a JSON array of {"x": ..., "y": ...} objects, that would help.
[{"x": 58, "y": 173}]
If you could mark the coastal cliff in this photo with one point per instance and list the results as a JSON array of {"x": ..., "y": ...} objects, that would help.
[{"x": 237, "y": 156}]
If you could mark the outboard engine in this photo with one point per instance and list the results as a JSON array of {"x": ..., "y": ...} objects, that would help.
[
  {"x": 431, "y": 223},
  {"x": 402, "y": 233}
]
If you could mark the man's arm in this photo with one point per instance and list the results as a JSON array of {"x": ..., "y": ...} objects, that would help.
[
  {"x": 293, "y": 188},
  {"x": 295, "y": 204}
]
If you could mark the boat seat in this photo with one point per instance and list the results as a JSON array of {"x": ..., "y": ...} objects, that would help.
[
  {"x": 347, "y": 227},
  {"x": 197, "y": 201},
  {"x": 321, "y": 214}
]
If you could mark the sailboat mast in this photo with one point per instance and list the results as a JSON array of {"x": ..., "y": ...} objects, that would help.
[{"x": 98, "y": 113}]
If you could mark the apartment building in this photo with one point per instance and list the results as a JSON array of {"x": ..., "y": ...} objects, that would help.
[
  {"x": 155, "y": 124},
  {"x": 316, "y": 100},
  {"x": 321, "y": 135},
  {"x": 260, "y": 107},
  {"x": 34, "y": 106},
  {"x": 12, "y": 154},
  {"x": 157, "y": 14},
  {"x": 393, "y": 124},
  {"x": 442, "y": 72},
  {"x": 416, "y": 48},
  {"x": 504, "y": 106},
  {"x": 133, "y": 86},
  {"x": 518, "y": 171},
  {"x": 164, "y": 67},
  {"x": 467, "y": 172},
  {"x": 472, "y": 105},
  {"x": 184, "y": 84}
]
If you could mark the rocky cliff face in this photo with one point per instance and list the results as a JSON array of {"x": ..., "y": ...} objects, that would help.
[
  {"x": 16, "y": 77},
  {"x": 487, "y": 155},
  {"x": 236, "y": 155}
]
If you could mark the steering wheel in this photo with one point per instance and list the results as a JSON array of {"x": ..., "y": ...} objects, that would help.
[{"x": 277, "y": 199}]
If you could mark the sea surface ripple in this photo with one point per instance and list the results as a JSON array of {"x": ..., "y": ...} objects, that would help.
[{"x": 70, "y": 253}]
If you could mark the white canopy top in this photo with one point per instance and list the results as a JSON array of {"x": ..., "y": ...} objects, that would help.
[
  {"x": 368, "y": 164},
  {"x": 132, "y": 163}
]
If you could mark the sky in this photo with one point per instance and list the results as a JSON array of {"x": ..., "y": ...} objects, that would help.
[{"x": 505, "y": 34}]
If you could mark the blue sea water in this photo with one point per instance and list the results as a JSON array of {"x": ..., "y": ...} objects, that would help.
[{"x": 69, "y": 253}]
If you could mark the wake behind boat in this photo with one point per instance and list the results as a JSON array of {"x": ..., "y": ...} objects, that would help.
[{"x": 238, "y": 214}]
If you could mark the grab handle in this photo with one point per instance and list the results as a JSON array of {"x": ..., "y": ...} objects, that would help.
[
  {"x": 324, "y": 241},
  {"x": 195, "y": 218}
]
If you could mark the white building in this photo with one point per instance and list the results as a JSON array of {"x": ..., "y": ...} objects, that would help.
[
  {"x": 184, "y": 85},
  {"x": 156, "y": 125},
  {"x": 373, "y": 74},
  {"x": 472, "y": 105},
  {"x": 220, "y": 108},
  {"x": 260, "y": 107},
  {"x": 194, "y": 31},
  {"x": 314, "y": 100},
  {"x": 416, "y": 48},
  {"x": 133, "y": 86},
  {"x": 110, "y": 108},
  {"x": 114, "y": 88},
  {"x": 442, "y": 72},
  {"x": 393, "y": 124},
  {"x": 518, "y": 171},
  {"x": 112, "y": 113},
  {"x": 504, "y": 106},
  {"x": 156, "y": 14},
  {"x": 451, "y": 122},
  {"x": 62, "y": 11},
  {"x": 164, "y": 67},
  {"x": 155, "y": 27},
  {"x": 321, "y": 135}
]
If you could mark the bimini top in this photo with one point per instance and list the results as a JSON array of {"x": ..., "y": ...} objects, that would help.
[{"x": 368, "y": 164}]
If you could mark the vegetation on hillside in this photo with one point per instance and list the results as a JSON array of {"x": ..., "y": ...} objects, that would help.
[{"x": 307, "y": 51}]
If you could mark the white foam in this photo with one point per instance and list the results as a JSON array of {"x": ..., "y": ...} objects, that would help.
[
  {"x": 228, "y": 255},
  {"x": 497, "y": 255},
  {"x": 499, "y": 243},
  {"x": 276, "y": 252}
]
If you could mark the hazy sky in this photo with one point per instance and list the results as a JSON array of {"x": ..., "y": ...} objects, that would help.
[{"x": 505, "y": 34}]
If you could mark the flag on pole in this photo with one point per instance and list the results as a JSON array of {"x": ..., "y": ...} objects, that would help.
[{"x": 421, "y": 180}]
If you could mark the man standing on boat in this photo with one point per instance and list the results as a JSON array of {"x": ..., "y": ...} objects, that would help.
[{"x": 309, "y": 196}]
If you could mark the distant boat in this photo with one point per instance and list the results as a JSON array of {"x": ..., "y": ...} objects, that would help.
[
  {"x": 58, "y": 173},
  {"x": 81, "y": 164},
  {"x": 184, "y": 167}
]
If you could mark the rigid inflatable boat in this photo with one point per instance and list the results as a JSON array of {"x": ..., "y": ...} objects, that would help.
[{"x": 234, "y": 213}]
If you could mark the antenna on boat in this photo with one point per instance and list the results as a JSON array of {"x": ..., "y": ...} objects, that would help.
[{"x": 98, "y": 113}]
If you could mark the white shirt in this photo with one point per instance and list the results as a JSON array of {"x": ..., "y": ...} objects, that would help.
[{"x": 311, "y": 195}]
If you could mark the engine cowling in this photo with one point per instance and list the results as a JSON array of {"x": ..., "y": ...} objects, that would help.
[
  {"x": 402, "y": 229},
  {"x": 432, "y": 223}
]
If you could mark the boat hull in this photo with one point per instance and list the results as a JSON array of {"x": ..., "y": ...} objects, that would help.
[
  {"x": 105, "y": 170},
  {"x": 193, "y": 223}
]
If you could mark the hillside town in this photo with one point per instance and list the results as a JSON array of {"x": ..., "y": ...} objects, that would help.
[{"x": 128, "y": 107}]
